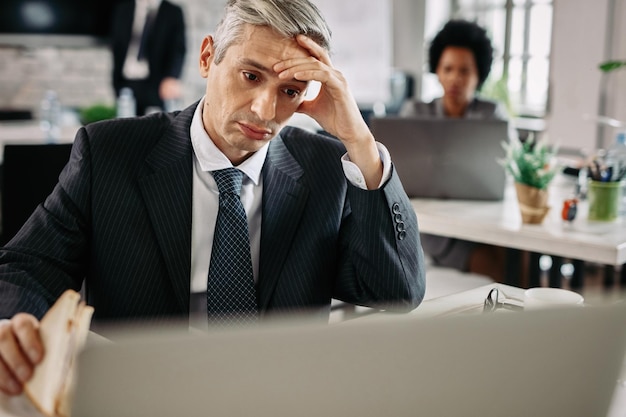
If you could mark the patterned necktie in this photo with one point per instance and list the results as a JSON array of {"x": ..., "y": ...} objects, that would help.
[{"x": 231, "y": 296}]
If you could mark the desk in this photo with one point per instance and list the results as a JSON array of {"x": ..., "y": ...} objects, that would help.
[
  {"x": 385, "y": 367},
  {"x": 466, "y": 302},
  {"x": 471, "y": 302},
  {"x": 29, "y": 132},
  {"x": 499, "y": 223}
]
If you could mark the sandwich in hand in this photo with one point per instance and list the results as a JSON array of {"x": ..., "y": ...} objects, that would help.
[{"x": 63, "y": 331}]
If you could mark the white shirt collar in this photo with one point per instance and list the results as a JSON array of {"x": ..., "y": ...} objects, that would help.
[{"x": 212, "y": 159}]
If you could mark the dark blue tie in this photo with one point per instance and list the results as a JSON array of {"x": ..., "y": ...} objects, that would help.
[
  {"x": 231, "y": 296},
  {"x": 145, "y": 35}
]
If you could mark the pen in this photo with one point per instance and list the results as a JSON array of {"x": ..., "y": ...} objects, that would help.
[
  {"x": 606, "y": 173},
  {"x": 593, "y": 169}
]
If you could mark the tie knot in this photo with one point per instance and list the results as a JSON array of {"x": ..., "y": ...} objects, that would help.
[{"x": 228, "y": 180}]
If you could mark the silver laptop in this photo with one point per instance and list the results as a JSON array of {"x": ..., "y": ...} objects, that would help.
[
  {"x": 541, "y": 363},
  {"x": 446, "y": 158}
]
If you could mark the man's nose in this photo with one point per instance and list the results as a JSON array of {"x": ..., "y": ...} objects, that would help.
[{"x": 264, "y": 105}]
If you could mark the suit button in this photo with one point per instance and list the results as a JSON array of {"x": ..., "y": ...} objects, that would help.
[
  {"x": 397, "y": 218},
  {"x": 400, "y": 227},
  {"x": 401, "y": 235},
  {"x": 395, "y": 209}
]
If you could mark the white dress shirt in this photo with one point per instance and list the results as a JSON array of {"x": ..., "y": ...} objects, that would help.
[{"x": 207, "y": 158}]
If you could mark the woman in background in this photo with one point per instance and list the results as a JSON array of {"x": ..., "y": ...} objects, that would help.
[{"x": 461, "y": 55}]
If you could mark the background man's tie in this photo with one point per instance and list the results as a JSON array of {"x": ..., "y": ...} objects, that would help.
[
  {"x": 145, "y": 34},
  {"x": 231, "y": 296}
]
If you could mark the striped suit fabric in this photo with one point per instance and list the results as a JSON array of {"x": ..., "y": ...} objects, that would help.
[{"x": 120, "y": 220}]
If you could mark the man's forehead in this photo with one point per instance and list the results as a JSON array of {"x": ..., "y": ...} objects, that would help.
[{"x": 265, "y": 37}]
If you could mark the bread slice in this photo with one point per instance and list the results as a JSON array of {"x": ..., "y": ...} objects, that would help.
[{"x": 63, "y": 332}]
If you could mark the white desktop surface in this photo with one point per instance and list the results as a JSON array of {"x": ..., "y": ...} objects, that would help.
[
  {"x": 499, "y": 223},
  {"x": 467, "y": 302}
]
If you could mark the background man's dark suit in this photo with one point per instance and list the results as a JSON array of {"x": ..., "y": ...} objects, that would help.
[
  {"x": 121, "y": 215},
  {"x": 165, "y": 50}
]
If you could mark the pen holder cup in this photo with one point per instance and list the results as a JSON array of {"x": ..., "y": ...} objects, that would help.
[{"x": 604, "y": 200}]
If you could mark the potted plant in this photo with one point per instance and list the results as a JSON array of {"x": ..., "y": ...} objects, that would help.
[
  {"x": 96, "y": 113},
  {"x": 531, "y": 164}
]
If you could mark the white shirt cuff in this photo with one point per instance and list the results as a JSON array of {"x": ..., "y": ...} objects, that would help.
[{"x": 354, "y": 174}]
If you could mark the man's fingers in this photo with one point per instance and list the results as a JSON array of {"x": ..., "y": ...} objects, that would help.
[
  {"x": 20, "y": 350},
  {"x": 12, "y": 355},
  {"x": 314, "y": 49},
  {"x": 309, "y": 70},
  {"x": 26, "y": 328},
  {"x": 288, "y": 68},
  {"x": 8, "y": 383}
]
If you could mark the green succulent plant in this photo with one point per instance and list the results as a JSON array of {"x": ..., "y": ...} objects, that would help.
[{"x": 530, "y": 162}]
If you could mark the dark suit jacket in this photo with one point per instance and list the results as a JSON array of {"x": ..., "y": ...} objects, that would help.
[
  {"x": 165, "y": 46},
  {"x": 120, "y": 217}
]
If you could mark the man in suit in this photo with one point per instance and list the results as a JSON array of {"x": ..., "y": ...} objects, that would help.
[
  {"x": 135, "y": 210},
  {"x": 148, "y": 47}
]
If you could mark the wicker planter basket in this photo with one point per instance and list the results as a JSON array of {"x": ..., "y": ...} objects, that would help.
[{"x": 533, "y": 203}]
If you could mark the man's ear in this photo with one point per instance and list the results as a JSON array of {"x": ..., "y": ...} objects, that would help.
[{"x": 207, "y": 53}]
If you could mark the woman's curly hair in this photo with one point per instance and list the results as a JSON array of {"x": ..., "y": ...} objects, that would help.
[{"x": 464, "y": 34}]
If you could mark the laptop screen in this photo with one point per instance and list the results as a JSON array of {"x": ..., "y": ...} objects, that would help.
[
  {"x": 540, "y": 363},
  {"x": 446, "y": 158}
]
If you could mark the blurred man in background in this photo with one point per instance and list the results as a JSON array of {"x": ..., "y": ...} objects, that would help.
[{"x": 148, "y": 45}]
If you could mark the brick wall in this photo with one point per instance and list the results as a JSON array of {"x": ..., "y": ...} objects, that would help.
[{"x": 82, "y": 76}]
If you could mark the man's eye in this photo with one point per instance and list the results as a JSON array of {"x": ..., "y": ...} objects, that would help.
[
  {"x": 292, "y": 92},
  {"x": 250, "y": 76}
]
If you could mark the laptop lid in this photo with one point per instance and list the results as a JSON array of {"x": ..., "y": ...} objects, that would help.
[
  {"x": 446, "y": 158},
  {"x": 540, "y": 363}
]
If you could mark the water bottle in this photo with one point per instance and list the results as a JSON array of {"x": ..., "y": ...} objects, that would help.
[
  {"x": 126, "y": 103},
  {"x": 50, "y": 116},
  {"x": 616, "y": 161}
]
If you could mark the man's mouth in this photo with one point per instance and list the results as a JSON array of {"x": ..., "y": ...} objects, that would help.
[{"x": 255, "y": 132}]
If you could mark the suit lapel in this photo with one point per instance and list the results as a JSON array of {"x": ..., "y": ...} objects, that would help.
[
  {"x": 167, "y": 191},
  {"x": 284, "y": 199}
]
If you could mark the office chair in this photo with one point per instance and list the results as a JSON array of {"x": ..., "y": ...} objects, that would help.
[{"x": 30, "y": 173}]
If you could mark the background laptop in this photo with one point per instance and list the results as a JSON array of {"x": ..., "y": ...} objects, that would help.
[
  {"x": 446, "y": 158},
  {"x": 540, "y": 363}
]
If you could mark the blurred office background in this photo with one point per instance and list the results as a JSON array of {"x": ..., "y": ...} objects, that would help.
[{"x": 547, "y": 56}]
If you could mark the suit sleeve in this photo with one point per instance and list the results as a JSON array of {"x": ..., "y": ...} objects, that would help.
[{"x": 382, "y": 260}]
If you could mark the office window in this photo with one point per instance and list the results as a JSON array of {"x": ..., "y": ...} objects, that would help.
[
  {"x": 521, "y": 32},
  {"x": 362, "y": 42}
]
